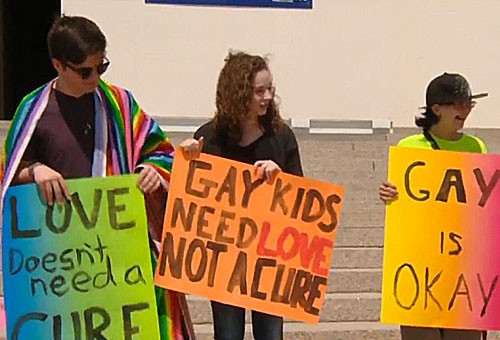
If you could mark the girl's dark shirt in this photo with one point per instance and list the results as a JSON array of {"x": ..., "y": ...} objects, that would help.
[
  {"x": 280, "y": 146},
  {"x": 64, "y": 136}
]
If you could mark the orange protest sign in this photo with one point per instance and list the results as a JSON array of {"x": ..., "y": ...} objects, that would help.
[{"x": 236, "y": 239}]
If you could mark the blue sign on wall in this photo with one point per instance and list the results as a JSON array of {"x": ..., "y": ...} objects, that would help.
[{"x": 239, "y": 3}]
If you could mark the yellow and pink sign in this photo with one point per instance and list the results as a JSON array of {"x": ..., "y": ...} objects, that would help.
[{"x": 442, "y": 240}]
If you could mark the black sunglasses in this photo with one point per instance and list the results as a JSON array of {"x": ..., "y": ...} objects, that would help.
[{"x": 86, "y": 72}]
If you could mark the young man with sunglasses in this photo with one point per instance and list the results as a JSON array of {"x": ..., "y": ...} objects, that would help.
[{"x": 78, "y": 125}]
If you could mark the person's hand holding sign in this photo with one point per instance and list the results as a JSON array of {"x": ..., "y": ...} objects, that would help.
[
  {"x": 51, "y": 183},
  {"x": 191, "y": 148},
  {"x": 149, "y": 180},
  {"x": 267, "y": 170},
  {"x": 388, "y": 192}
]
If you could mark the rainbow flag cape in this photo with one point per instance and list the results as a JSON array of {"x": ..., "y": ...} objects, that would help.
[{"x": 133, "y": 139}]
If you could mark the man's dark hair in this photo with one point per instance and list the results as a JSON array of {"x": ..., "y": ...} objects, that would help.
[{"x": 73, "y": 39}]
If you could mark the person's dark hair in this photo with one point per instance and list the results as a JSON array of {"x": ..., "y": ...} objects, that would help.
[
  {"x": 73, "y": 39},
  {"x": 234, "y": 96},
  {"x": 426, "y": 119}
]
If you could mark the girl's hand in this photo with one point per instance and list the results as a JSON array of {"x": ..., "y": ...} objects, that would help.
[
  {"x": 267, "y": 170},
  {"x": 191, "y": 148}
]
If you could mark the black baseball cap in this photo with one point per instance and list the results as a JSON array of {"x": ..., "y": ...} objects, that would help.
[{"x": 449, "y": 88}]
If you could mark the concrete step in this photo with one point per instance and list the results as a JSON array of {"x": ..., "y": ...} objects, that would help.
[
  {"x": 360, "y": 237},
  {"x": 357, "y": 257},
  {"x": 337, "y": 307},
  {"x": 4, "y": 127},
  {"x": 366, "y": 213},
  {"x": 355, "y": 280},
  {"x": 323, "y": 331}
]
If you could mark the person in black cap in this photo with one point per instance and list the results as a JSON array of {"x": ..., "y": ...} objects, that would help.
[{"x": 449, "y": 101}]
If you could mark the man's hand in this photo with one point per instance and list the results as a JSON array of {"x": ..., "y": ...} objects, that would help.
[
  {"x": 51, "y": 185},
  {"x": 149, "y": 180}
]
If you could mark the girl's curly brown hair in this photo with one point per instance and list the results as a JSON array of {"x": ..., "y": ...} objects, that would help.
[{"x": 234, "y": 96}]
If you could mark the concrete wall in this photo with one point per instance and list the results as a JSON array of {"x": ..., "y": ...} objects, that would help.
[{"x": 356, "y": 59}]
